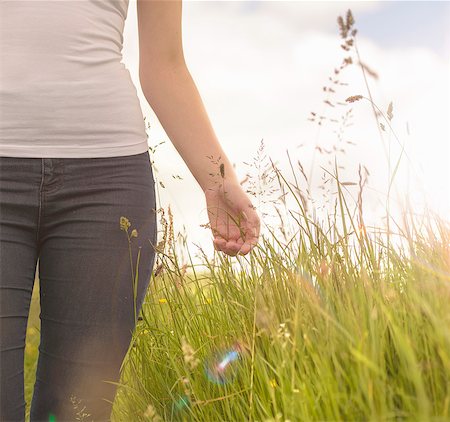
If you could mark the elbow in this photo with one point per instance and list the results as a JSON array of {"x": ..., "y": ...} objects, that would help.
[{"x": 152, "y": 75}]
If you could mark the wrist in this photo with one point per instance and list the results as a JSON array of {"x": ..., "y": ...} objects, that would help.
[{"x": 220, "y": 184}]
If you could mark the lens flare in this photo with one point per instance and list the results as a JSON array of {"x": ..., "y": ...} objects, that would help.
[
  {"x": 51, "y": 417},
  {"x": 220, "y": 369},
  {"x": 182, "y": 402}
]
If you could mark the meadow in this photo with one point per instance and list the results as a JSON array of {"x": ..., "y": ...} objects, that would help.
[{"x": 324, "y": 320}]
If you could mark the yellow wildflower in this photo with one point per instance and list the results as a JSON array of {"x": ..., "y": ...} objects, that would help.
[{"x": 124, "y": 223}]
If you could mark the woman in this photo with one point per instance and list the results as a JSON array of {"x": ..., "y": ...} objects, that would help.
[{"x": 77, "y": 190}]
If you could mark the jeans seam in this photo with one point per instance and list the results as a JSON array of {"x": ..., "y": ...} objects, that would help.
[{"x": 40, "y": 199}]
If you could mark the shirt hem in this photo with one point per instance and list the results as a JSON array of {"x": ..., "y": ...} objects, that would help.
[{"x": 65, "y": 151}]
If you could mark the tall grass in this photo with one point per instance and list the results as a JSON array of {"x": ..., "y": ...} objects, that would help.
[
  {"x": 323, "y": 320},
  {"x": 320, "y": 336}
]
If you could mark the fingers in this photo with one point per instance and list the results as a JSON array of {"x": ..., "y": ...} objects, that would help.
[
  {"x": 248, "y": 245},
  {"x": 252, "y": 222},
  {"x": 239, "y": 238},
  {"x": 236, "y": 246},
  {"x": 230, "y": 247},
  {"x": 252, "y": 234},
  {"x": 219, "y": 243}
]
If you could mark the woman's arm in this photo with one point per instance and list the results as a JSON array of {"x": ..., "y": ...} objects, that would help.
[{"x": 171, "y": 92}]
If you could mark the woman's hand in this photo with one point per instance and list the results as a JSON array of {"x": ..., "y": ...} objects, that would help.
[{"x": 234, "y": 222}]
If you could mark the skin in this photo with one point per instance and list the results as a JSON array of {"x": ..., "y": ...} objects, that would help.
[{"x": 173, "y": 95}]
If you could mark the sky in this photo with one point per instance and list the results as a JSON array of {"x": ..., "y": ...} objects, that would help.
[{"x": 260, "y": 67}]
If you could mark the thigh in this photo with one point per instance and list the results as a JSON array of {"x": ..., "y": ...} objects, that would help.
[
  {"x": 97, "y": 239},
  {"x": 19, "y": 209}
]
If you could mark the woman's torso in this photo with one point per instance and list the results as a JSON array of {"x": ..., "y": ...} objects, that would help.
[{"x": 64, "y": 91}]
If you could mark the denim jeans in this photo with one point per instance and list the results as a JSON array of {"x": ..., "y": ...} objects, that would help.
[{"x": 71, "y": 214}]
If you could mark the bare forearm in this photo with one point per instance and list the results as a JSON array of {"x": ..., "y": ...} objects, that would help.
[{"x": 174, "y": 97}]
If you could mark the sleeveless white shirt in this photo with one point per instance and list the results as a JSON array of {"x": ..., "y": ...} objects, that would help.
[{"x": 64, "y": 91}]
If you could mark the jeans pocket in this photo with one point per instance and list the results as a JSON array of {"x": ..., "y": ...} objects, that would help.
[{"x": 116, "y": 171}]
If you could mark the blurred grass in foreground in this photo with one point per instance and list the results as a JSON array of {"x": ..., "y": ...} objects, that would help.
[{"x": 325, "y": 330}]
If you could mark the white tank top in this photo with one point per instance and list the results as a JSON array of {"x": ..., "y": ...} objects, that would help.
[{"x": 63, "y": 89}]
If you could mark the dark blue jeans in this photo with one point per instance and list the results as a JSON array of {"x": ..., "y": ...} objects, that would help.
[{"x": 92, "y": 224}]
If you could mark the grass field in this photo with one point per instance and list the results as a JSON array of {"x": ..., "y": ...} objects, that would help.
[
  {"x": 302, "y": 333},
  {"x": 324, "y": 320},
  {"x": 308, "y": 331}
]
